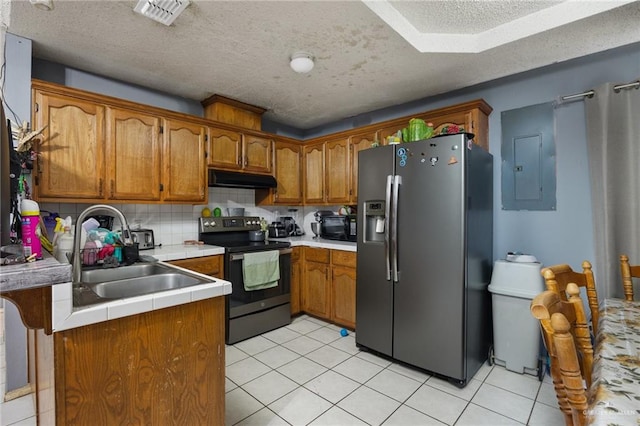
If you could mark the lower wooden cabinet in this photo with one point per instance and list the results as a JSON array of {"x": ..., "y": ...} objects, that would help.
[
  {"x": 296, "y": 280},
  {"x": 343, "y": 288},
  {"x": 316, "y": 289},
  {"x": 329, "y": 285},
  {"x": 164, "y": 367},
  {"x": 208, "y": 265}
]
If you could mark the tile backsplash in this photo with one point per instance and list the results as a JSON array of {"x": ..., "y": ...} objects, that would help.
[{"x": 175, "y": 223}]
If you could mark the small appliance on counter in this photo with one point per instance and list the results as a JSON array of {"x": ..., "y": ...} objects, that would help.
[
  {"x": 339, "y": 227},
  {"x": 277, "y": 230},
  {"x": 291, "y": 228},
  {"x": 144, "y": 238}
]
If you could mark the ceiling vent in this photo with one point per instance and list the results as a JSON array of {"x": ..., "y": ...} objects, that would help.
[{"x": 163, "y": 11}]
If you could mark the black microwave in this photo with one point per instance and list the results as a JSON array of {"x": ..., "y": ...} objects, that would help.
[{"x": 339, "y": 227}]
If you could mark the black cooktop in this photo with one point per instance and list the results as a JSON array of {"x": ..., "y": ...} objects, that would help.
[
  {"x": 237, "y": 246},
  {"x": 232, "y": 233}
]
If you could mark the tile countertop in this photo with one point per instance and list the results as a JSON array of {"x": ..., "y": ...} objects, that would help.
[
  {"x": 309, "y": 241},
  {"x": 180, "y": 251}
]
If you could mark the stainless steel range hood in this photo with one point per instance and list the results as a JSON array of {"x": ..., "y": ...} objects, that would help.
[{"x": 240, "y": 180}]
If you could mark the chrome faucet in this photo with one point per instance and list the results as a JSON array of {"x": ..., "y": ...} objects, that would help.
[{"x": 76, "y": 263}]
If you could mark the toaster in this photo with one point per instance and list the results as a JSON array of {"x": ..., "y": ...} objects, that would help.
[{"x": 144, "y": 238}]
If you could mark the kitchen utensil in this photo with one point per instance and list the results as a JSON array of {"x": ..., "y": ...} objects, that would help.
[
  {"x": 256, "y": 236},
  {"x": 314, "y": 229},
  {"x": 235, "y": 211}
]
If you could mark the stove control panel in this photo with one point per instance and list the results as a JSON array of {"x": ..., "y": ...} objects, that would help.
[{"x": 228, "y": 224}]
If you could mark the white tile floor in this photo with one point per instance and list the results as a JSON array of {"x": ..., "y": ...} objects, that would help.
[{"x": 306, "y": 373}]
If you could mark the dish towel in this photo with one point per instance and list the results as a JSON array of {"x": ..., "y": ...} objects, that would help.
[{"x": 261, "y": 270}]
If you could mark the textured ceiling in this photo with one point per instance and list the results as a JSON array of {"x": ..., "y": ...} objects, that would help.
[{"x": 241, "y": 49}]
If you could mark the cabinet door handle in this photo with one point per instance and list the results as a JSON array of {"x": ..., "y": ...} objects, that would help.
[
  {"x": 239, "y": 160},
  {"x": 112, "y": 187},
  {"x": 246, "y": 161},
  {"x": 100, "y": 187}
]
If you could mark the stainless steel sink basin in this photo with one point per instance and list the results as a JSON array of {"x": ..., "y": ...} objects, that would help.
[
  {"x": 138, "y": 286},
  {"x": 103, "y": 285},
  {"x": 124, "y": 272}
]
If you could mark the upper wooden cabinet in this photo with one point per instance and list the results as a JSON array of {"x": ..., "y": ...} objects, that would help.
[
  {"x": 100, "y": 149},
  {"x": 231, "y": 111},
  {"x": 184, "y": 174},
  {"x": 314, "y": 189},
  {"x": 231, "y": 150},
  {"x": 225, "y": 149},
  {"x": 327, "y": 172},
  {"x": 288, "y": 171},
  {"x": 338, "y": 171},
  {"x": 71, "y": 158},
  {"x": 132, "y": 137},
  {"x": 258, "y": 154},
  {"x": 357, "y": 143}
]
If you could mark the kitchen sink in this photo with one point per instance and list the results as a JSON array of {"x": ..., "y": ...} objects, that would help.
[
  {"x": 129, "y": 287},
  {"x": 124, "y": 272},
  {"x": 103, "y": 285}
]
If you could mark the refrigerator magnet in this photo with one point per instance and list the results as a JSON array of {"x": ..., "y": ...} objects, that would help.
[{"x": 452, "y": 160}]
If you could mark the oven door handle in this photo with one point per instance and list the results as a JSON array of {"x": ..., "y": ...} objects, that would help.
[{"x": 240, "y": 256}]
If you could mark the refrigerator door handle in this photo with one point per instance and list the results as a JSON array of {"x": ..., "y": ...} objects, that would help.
[
  {"x": 397, "y": 181},
  {"x": 387, "y": 218}
]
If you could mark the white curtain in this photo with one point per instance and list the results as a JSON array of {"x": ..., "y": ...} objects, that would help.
[{"x": 613, "y": 138}]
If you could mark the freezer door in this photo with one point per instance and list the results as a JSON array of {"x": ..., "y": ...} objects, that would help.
[
  {"x": 374, "y": 293},
  {"x": 429, "y": 295}
]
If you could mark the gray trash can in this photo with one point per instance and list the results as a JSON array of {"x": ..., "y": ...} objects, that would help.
[{"x": 516, "y": 333}]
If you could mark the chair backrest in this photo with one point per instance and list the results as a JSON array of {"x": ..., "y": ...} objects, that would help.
[
  {"x": 628, "y": 272},
  {"x": 543, "y": 308},
  {"x": 569, "y": 366},
  {"x": 557, "y": 278}
]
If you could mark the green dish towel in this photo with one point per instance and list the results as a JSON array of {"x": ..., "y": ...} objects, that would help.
[{"x": 261, "y": 270}]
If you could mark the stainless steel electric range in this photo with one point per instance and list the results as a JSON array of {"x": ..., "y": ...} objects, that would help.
[{"x": 249, "y": 313}]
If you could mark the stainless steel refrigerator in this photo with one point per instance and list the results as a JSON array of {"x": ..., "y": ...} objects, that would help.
[{"x": 425, "y": 253}]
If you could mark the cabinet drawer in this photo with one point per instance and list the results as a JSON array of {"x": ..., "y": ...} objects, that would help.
[
  {"x": 317, "y": 255},
  {"x": 208, "y": 265},
  {"x": 343, "y": 258}
]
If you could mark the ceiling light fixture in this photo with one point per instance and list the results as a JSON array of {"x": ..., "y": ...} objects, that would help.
[
  {"x": 42, "y": 4},
  {"x": 163, "y": 11},
  {"x": 301, "y": 62}
]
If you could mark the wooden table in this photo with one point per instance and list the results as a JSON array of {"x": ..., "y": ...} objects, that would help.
[{"x": 615, "y": 391}]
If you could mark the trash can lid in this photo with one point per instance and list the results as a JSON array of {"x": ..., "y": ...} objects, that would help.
[{"x": 517, "y": 276}]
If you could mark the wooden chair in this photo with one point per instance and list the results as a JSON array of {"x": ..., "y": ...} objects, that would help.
[
  {"x": 559, "y": 339},
  {"x": 628, "y": 272},
  {"x": 557, "y": 278}
]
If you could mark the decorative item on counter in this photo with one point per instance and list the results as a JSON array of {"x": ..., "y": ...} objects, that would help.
[
  {"x": 451, "y": 129},
  {"x": 217, "y": 212},
  {"x": 417, "y": 130},
  {"x": 375, "y": 143},
  {"x": 206, "y": 212}
]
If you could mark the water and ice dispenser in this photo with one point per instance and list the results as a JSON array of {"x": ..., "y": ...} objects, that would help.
[{"x": 374, "y": 221}]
